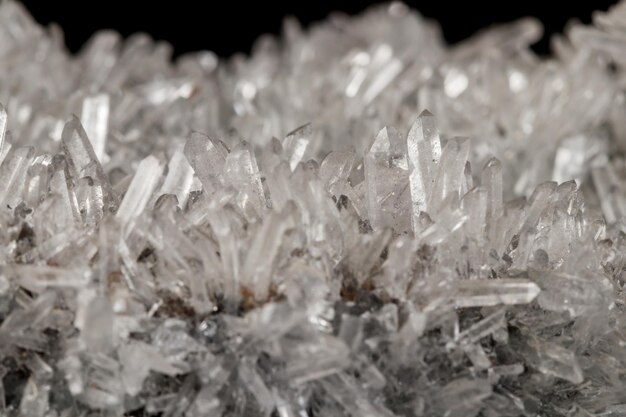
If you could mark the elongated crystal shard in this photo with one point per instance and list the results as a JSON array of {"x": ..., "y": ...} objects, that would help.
[
  {"x": 565, "y": 292},
  {"x": 483, "y": 328},
  {"x": 488, "y": 292},
  {"x": 82, "y": 164},
  {"x": 140, "y": 190},
  {"x": 450, "y": 173},
  {"x": 59, "y": 205},
  {"x": 424, "y": 154},
  {"x": 296, "y": 143},
  {"x": 475, "y": 204},
  {"x": 491, "y": 179},
  {"x": 207, "y": 157},
  {"x": 30, "y": 316},
  {"x": 37, "y": 278},
  {"x": 386, "y": 176},
  {"x": 387, "y": 72},
  {"x": 477, "y": 355},
  {"x": 243, "y": 173},
  {"x": 95, "y": 118},
  {"x": 257, "y": 269},
  {"x": 336, "y": 166},
  {"x": 449, "y": 222},
  {"x": 505, "y": 370},
  {"x": 179, "y": 179},
  {"x": 13, "y": 173},
  {"x": 538, "y": 201}
]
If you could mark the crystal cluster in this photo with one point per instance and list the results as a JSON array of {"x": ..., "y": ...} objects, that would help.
[{"x": 293, "y": 234}]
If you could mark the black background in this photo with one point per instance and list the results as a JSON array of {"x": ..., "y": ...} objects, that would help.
[{"x": 229, "y": 26}]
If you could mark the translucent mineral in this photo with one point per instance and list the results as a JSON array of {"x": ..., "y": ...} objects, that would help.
[{"x": 356, "y": 219}]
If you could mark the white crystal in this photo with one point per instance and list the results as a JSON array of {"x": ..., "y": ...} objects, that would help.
[
  {"x": 179, "y": 179},
  {"x": 487, "y": 292},
  {"x": 95, "y": 118},
  {"x": 386, "y": 175},
  {"x": 140, "y": 189}
]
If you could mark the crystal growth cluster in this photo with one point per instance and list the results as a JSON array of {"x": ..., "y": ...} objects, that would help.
[{"x": 293, "y": 234}]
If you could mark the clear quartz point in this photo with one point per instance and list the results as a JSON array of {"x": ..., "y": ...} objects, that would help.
[
  {"x": 83, "y": 166},
  {"x": 488, "y": 292},
  {"x": 483, "y": 328},
  {"x": 491, "y": 180},
  {"x": 13, "y": 173},
  {"x": 179, "y": 179},
  {"x": 140, "y": 189},
  {"x": 386, "y": 176},
  {"x": 554, "y": 360},
  {"x": 95, "y": 118},
  {"x": 424, "y": 154},
  {"x": 296, "y": 143},
  {"x": 207, "y": 157},
  {"x": 242, "y": 170},
  {"x": 450, "y": 175}
]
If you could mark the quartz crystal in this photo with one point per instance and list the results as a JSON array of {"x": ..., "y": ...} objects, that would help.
[{"x": 355, "y": 220}]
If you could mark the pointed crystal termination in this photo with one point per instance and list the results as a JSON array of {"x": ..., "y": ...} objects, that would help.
[
  {"x": 141, "y": 188},
  {"x": 487, "y": 292},
  {"x": 451, "y": 173},
  {"x": 95, "y": 118},
  {"x": 424, "y": 153},
  {"x": 553, "y": 359},
  {"x": 335, "y": 172},
  {"x": 243, "y": 173},
  {"x": 296, "y": 143},
  {"x": 61, "y": 210},
  {"x": 207, "y": 157},
  {"x": 83, "y": 163},
  {"x": 449, "y": 222},
  {"x": 386, "y": 176},
  {"x": 13, "y": 174},
  {"x": 179, "y": 179}
]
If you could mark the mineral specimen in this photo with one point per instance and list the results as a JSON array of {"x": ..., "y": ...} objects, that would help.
[{"x": 294, "y": 234}]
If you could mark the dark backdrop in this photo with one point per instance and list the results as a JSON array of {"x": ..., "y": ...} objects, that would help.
[{"x": 190, "y": 25}]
